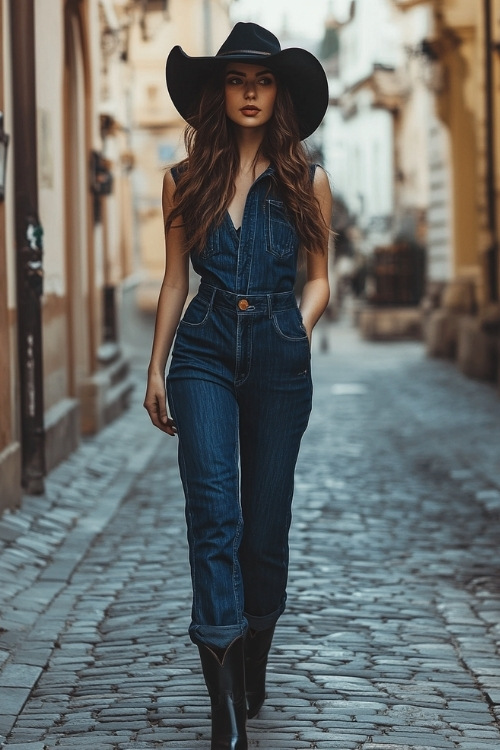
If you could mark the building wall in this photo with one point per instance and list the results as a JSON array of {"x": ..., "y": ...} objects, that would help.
[
  {"x": 398, "y": 160},
  {"x": 466, "y": 323},
  {"x": 360, "y": 46},
  {"x": 447, "y": 161},
  {"x": 363, "y": 172},
  {"x": 86, "y": 254},
  {"x": 461, "y": 107},
  {"x": 49, "y": 61},
  {"x": 85, "y": 75},
  {"x": 365, "y": 141},
  {"x": 412, "y": 130}
]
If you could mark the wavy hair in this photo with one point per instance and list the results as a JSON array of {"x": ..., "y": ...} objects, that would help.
[{"x": 206, "y": 182}]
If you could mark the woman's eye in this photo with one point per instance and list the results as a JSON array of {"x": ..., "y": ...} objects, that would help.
[
  {"x": 233, "y": 81},
  {"x": 266, "y": 81}
]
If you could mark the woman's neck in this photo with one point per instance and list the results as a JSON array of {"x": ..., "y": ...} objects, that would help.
[{"x": 249, "y": 143}]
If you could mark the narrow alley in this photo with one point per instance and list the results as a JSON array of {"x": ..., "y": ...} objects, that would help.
[{"x": 391, "y": 636}]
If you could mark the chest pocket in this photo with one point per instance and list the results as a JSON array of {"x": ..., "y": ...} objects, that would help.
[{"x": 281, "y": 237}]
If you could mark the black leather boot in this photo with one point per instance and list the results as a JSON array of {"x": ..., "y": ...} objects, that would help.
[
  {"x": 225, "y": 681},
  {"x": 257, "y": 645}
]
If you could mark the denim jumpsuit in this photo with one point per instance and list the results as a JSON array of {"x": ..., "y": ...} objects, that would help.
[{"x": 239, "y": 390}]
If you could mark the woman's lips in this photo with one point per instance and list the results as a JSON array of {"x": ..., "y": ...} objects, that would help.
[{"x": 250, "y": 111}]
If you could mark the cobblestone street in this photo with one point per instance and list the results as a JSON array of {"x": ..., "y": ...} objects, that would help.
[{"x": 391, "y": 636}]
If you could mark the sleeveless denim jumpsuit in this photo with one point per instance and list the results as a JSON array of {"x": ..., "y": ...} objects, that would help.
[{"x": 239, "y": 390}]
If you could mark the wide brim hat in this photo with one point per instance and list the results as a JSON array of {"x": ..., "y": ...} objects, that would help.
[{"x": 299, "y": 70}]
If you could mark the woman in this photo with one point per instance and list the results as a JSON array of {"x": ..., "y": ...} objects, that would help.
[{"x": 239, "y": 385}]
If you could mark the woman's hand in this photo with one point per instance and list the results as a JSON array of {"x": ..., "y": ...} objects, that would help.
[
  {"x": 308, "y": 326},
  {"x": 155, "y": 403}
]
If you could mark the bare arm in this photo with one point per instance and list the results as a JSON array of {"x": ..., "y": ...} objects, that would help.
[
  {"x": 316, "y": 292},
  {"x": 171, "y": 301}
]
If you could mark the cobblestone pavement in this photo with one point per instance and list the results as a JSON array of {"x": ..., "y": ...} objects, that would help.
[{"x": 391, "y": 637}]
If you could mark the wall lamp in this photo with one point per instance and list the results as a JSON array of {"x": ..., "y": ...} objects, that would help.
[{"x": 4, "y": 146}]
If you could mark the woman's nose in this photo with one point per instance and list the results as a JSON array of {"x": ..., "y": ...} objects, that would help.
[{"x": 250, "y": 90}]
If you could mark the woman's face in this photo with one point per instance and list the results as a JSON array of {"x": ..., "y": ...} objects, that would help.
[{"x": 250, "y": 93}]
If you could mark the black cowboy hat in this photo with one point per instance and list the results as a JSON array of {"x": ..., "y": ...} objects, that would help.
[{"x": 298, "y": 69}]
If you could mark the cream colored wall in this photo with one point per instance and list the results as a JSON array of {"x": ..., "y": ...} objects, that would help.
[
  {"x": 461, "y": 105},
  {"x": 49, "y": 56},
  {"x": 81, "y": 299},
  {"x": 94, "y": 49},
  {"x": 459, "y": 13},
  {"x": 183, "y": 26},
  {"x": 49, "y": 63},
  {"x": 114, "y": 90}
]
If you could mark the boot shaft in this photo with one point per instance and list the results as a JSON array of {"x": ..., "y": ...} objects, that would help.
[{"x": 225, "y": 680}]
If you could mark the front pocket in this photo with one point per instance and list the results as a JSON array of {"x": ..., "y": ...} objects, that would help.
[
  {"x": 281, "y": 237},
  {"x": 289, "y": 326},
  {"x": 197, "y": 312}
]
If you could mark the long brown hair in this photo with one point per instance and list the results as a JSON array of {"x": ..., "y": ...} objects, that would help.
[{"x": 206, "y": 178}]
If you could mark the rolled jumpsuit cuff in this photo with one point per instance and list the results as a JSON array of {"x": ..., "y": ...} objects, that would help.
[
  {"x": 216, "y": 636},
  {"x": 266, "y": 621}
]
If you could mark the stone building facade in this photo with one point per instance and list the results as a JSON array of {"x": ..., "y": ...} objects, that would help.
[
  {"x": 463, "y": 313},
  {"x": 377, "y": 143},
  {"x": 72, "y": 98},
  {"x": 65, "y": 233},
  {"x": 423, "y": 112}
]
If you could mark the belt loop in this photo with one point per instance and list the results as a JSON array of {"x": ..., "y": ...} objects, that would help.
[{"x": 269, "y": 306}]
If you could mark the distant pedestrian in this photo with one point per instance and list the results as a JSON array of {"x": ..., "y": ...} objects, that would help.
[{"x": 244, "y": 204}]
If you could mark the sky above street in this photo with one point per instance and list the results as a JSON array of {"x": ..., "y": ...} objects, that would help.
[{"x": 302, "y": 18}]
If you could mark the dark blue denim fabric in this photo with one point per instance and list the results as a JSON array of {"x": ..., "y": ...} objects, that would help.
[{"x": 239, "y": 390}]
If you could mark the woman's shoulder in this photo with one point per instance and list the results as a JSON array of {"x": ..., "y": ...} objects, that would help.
[{"x": 321, "y": 187}]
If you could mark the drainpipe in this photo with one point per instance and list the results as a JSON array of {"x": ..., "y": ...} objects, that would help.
[
  {"x": 29, "y": 245},
  {"x": 491, "y": 188}
]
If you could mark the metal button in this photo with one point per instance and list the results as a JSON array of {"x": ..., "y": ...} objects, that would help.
[{"x": 243, "y": 304}]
